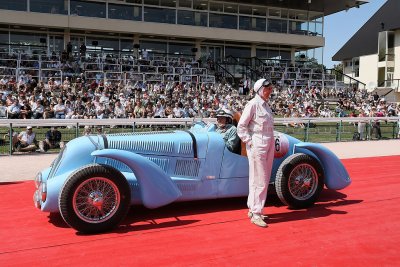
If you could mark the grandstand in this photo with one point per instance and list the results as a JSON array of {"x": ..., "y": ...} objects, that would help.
[{"x": 209, "y": 32}]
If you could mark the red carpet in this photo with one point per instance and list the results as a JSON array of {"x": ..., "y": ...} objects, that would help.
[{"x": 358, "y": 226}]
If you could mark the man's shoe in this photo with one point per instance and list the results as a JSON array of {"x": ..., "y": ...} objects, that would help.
[
  {"x": 257, "y": 220},
  {"x": 250, "y": 215}
]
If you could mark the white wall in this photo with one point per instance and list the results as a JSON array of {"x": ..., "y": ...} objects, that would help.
[
  {"x": 369, "y": 71},
  {"x": 397, "y": 55}
]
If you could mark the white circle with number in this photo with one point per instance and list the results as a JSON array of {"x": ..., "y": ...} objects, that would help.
[{"x": 281, "y": 145}]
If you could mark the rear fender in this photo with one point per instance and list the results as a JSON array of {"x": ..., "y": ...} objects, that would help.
[
  {"x": 336, "y": 175},
  {"x": 156, "y": 187}
]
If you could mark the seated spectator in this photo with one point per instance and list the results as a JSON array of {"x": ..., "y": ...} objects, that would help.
[
  {"x": 177, "y": 111},
  {"x": 53, "y": 140},
  {"x": 59, "y": 109},
  {"x": 228, "y": 130},
  {"x": 119, "y": 110},
  {"x": 26, "y": 110},
  {"x": 87, "y": 130},
  {"x": 159, "y": 110},
  {"x": 14, "y": 111},
  {"x": 49, "y": 111},
  {"x": 3, "y": 111},
  {"x": 26, "y": 141},
  {"x": 37, "y": 109}
]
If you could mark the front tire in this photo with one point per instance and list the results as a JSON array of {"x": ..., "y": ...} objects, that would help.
[
  {"x": 299, "y": 181},
  {"x": 94, "y": 199}
]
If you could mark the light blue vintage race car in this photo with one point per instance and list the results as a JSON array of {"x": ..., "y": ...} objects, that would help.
[{"x": 95, "y": 179}]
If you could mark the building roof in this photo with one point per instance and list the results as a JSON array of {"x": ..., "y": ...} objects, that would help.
[
  {"x": 365, "y": 41},
  {"x": 327, "y": 7}
]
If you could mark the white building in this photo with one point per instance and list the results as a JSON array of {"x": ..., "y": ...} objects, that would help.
[{"x": 372, "y": 55}]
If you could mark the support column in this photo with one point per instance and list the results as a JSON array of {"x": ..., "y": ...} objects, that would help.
[
  {"x": 253, "y": 52},
  {"x": 67, "y": 37},
  {"x": 198, "y": 51},
  {"x": 292, "y": 56},
  {"x": 136, "y": 45}
]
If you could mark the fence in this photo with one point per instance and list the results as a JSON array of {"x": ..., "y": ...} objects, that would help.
[{"x": 310, "y": 130}]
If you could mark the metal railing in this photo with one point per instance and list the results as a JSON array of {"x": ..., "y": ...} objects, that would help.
[{"x": 306, "y": 129}]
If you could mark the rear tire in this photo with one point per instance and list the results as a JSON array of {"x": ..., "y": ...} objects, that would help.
[
  {"x": 299, "y": 181},
  {"x": 94, "y": 199}
]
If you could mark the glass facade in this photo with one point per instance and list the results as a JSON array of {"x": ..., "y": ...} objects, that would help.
[
  {"x": 49, "y": 6},
  {"x": 201, "y": 13}
]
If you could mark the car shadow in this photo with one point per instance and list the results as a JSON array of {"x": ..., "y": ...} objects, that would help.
[
  {"x": 10, "y": 183},
  {"x": 146, "y": 218},
  {"x": 140, "y": 218}
]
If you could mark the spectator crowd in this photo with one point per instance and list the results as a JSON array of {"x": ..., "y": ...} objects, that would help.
[{"x": 82, "y": 100}]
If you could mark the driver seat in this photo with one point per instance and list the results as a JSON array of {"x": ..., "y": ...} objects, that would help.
[{"x": 236, "y": 118}]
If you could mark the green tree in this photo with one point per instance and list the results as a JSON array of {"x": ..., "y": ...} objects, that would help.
[{"x": 338, "y": 71}]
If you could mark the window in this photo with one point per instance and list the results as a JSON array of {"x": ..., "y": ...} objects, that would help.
[
  {"x": 185, "y": 3},
  {"x": 252, "y": 24},
  {"x": 180, "y": 48},
  {"x": 277, "y": 25},
  {"x": 155, "y": 47},
  {"x": 88, "y": 9},
  {"x": 231, "y": 8},
  {"x": 241, "y": 52},
  {"x": 223, "y": 21},
  {"x": 200, "y": 4},
  {"x": 103, "y": 43},
  {"x": 186, "y": 17},
  {"x": 49, "y": 6},
  {"x": 259, "y": 11},
  {"x": 4, "y": 37},
  {"x": 161, "y": 15},
  {"x": 245, "y": 10},
  {"x": 216, "y": 6},
  {"x": 124, "y": 12},
  {"x": 27, "y": 38},
  {"x": 13, "y": 5}
]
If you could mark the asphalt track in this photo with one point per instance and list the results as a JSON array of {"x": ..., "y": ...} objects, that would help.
[{"x": 357, "y": 226}]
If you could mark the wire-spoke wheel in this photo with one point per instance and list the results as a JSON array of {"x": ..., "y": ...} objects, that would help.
[
  {"x": 299, "y": 181},
  {"x": 94, "y": 199}
]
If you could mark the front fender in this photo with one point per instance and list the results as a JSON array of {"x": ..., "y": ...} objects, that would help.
[
  {"x": 156, "y": 188},
  {"x": 336, "y": 175}
]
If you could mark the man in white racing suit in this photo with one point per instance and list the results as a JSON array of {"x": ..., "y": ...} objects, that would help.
[{"x": 256, "y": 130}]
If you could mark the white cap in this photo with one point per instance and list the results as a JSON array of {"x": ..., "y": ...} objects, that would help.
[{"x": 260, "y": 83}]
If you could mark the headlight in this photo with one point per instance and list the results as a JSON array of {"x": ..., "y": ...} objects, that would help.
[{"x": 38, "y": 179}]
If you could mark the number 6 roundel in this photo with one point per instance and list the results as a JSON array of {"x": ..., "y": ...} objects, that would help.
[{"x": 281, "y": 145}]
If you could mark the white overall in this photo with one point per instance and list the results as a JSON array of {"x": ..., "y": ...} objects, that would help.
[{"x": 256, "y": 129}]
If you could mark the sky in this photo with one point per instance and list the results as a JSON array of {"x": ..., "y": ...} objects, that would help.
[{"x": 340, "y": 27}]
